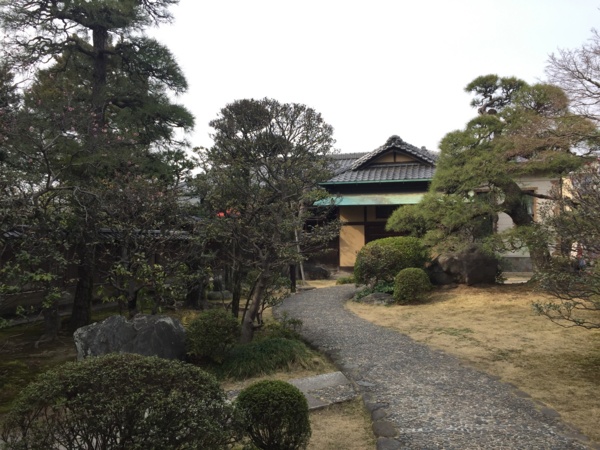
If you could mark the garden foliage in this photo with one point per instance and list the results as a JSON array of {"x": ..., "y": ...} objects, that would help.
[
  {"x": 382, "y": 259},
  {"x": 120, "y": 401},
  {"x": 411, "y": 284},
  {"x": 212, "y": 334},
  {"x": 276, "y": 415}
]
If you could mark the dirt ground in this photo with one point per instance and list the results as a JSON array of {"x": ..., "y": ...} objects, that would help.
[{"x": 496, "y": 330}]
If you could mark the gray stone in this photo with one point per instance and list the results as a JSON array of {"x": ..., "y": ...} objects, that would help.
[
  {"x": 219, "y": 295},
  {"x": 384, "y": 428},
  {"x": 387, "y": 444},
  {"x": 146, "y": 335},
  {"x": 313, "y": 272},
  {"x": 470, "y": 266},
  {"x": 378, "y": 298}
]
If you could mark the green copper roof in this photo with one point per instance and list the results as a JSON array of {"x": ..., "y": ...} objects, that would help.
[{"x": 372, "y": 199}]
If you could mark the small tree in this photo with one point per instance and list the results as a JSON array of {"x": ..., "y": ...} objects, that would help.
[
  {"x": 577, "y": 72},
  {"x": 260, "y": 182}
]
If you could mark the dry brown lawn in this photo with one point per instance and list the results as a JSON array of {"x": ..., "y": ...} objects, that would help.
[{"x": 496, "y": 330}]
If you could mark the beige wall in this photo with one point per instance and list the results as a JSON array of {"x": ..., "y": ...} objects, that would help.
[
  {"x": 352, "y": 213},
  {"x": 539, "y": 185},
  {"x": 352, "y": 239},
  {"x": 389, "y": 158}
]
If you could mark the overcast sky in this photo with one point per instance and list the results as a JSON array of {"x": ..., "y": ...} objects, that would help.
[{"x": 372, "y": 69}]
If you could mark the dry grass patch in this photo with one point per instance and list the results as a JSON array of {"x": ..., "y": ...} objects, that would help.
[
  {"x": 343, "y": 426},
  {"x": 495, "y": 330}
]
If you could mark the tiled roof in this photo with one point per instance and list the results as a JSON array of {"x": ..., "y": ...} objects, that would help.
[
  {"x": 396, "y": 142},
  {"x": 344, "y": 161},
  {"x": 385, "y": 172},
  {"x": 358, "y": 167}
]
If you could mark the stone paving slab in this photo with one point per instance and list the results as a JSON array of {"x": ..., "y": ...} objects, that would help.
[
  {"x": 326, "y": 389},
  {"x": 320, "y": 391}
]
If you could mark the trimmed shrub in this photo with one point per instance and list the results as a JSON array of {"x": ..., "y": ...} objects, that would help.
[
  {"x": 276, "y": 415},
  {"x": 411, "y": 284},
  {"x": 382, "y": 259},
  {"x": 285, "y": 327},
  {"x": 263, "y": 357},
  {"x": 212, "y": 335},
  {"x": 345, "y": 280},
  {"x": 120, "y": 401}
]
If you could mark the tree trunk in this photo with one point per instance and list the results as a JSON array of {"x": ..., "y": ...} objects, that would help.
[
  {"x": 51, "y": 324},
  {"x": 254, "y": 307},
  {"x": 192, "y": 297},
  {"x": 292, "y": 278},
  {"x": 81, "y": 313},
  {"x": 132, "y": 300},
  {"x": 236, "y": 292}
]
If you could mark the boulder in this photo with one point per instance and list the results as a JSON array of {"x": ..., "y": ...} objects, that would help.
[
  {"x": 313, "y": 272},
  {"x": 470, "y": 266},
  {"x": 378, "y": 298},
  {"x": 146, "y": 335}
]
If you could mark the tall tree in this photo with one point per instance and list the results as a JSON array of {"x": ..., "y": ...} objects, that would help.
[
  {"x": 114, "y": 99},
  {"x": 577, "y": 72},
  {"x": 261, "y": 177},
  {"x": 520, "y": 130}
]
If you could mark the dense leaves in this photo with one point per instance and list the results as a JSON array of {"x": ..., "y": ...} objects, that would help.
[
  {"x": 276, "y": 414},
  {"x": 382, "y": 259},
  {"x": 259, "y": 184},
  {"x": 521, "y": 130},
  {"x": 121, "y": 401},
  {"x": 95, "y": 116},
  {"x": 411, "y": 285}
]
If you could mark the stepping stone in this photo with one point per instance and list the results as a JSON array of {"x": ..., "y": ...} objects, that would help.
[{"x": 325, "y": 389}]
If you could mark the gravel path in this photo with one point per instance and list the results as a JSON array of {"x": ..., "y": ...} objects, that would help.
[{"x": 421, "y": 398}]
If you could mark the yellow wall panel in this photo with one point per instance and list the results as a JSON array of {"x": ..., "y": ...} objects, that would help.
[
  {"x": 352, "y": 239},
  {"x": 352, "y": 213}
]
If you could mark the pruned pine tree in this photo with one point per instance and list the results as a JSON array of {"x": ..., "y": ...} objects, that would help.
[
  {"x": 520, "y": 130},
  {"x": 100, "y": 101},
  {"x": 261, "y": 179}
]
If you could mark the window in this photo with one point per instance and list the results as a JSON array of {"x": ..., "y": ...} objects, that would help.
[{"x": 384, "y": 211}]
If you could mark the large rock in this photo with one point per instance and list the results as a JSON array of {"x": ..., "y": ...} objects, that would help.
[
  {"x": 313, "y": 272},
  {"x": 146, "y": 335},
  {"x": 470, "y": 266}
]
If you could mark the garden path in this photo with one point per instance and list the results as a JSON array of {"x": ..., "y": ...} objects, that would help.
[{"x": 421, "y": 398}]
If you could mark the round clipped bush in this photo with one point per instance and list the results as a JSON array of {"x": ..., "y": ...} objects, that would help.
[
  {"x": 120, "y": 401},
  {"x": 275, "y": 414},
  {"x": 212, "y": 334},
  {"x": 411, "y": 284},
  {"x": 382, "y": 259}
]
